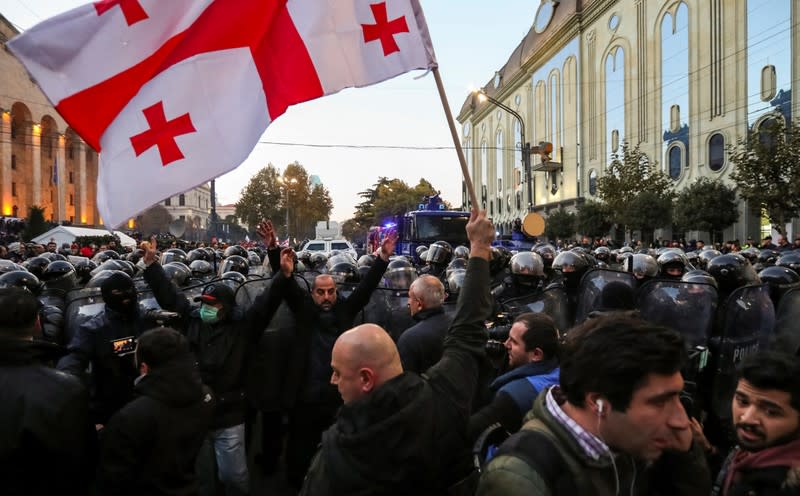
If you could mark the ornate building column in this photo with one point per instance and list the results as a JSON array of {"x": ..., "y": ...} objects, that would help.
[
  {"x": 36, "y": 146},
  {"x": 6, "y": 145},
  {"x": 63, "y": 180},
  {"x": 81, "y": 205}
]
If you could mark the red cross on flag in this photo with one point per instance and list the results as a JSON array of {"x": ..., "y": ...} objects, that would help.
[{"x": 175, "y": 93}]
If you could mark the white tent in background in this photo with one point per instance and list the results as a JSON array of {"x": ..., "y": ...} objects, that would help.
[{"x": 67, "y": 234}]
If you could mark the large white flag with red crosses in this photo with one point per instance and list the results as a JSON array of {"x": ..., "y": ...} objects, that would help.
[{"x": 173, "y": 93}]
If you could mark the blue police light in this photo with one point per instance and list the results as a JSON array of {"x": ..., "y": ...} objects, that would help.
[{"x": 389, "y": 225}]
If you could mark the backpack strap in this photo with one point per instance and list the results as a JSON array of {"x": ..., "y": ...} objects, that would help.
[{"x": 540, "y": 449}]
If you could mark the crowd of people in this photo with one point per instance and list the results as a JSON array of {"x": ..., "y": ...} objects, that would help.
[{"x": 459, "y": 370}]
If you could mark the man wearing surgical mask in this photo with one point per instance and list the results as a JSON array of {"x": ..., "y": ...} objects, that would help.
[
  {"x": 221, "y": 334},
  {"x": 106, "y": 341}
]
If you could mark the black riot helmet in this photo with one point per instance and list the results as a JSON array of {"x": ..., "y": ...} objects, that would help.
[
  {"x": 317, "y": 260},
  {"x": 84, "y": 269},
  {"x": 111, "y": 264},
  {"x": 201, "y": 268},
  {"x": 456, "y": 264},
  {"x": 60, "y": 275},
  {"x": 699, "y": 276},
  {"x": 178, "y": 273},
  {"x": 790, "y": 260},
  {"x": 134, "y": 256},
  {"x": 419, "y": 249},
  {"x": 707, "y": 256},
  {"x": 602, "y": 254},
  {"x": 197, "y": 254},
  {"x": 343, "y": 271},
  {"x": 572, "y": 266},
  {"x": 119, "y": 293},
  {"x": 547, "y": 252},
  {"x": 751, "y": 254},
  {"x": 460, "y": 251},
  {"x": 21, "y": 279},
  {"x": 780, "y": 280},
  {"x": 235, "y": 250},
  {"x": 172, "y": 255},
  {"x": 234, "y": 263},
  {"x": 768, "y": 257},
  {"x": 440, "y": 253},
  {"x": 232, "y": 279},
  {"x": 9, "y": 266},
  {"x": 400, "y": 274},
  {"x": 672, "y": 264},
  {"x": 128, "y": 267},
  {"x": 102, "y": 256},
  {"x": 366, "y": 261},
  {"x": 499, "y": 261},
  {"x": 527, "y": 268},
  {"x": 732, "y": 271},
  {"x": 36, "y": 265}
]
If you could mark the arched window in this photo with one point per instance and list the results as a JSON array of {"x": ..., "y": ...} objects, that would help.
[
  {"x": 499, "y": 161},
  {"x": 593, "y": 182},
  {"x": 716, "y": 152},
  {"x": 766, "y": 132},
  {"x": 182, "y": 200},
  {"x": 517, "y": 152},
  {"x": 674, "y": 158},
  {"x": 615, "y": 99},
  {"x": 675, "y": 85}
]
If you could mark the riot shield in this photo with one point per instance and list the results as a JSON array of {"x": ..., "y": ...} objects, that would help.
[
  {"x": 389, "y": 309},
  {"x": 688, "y": 308},
  {"x": 81, "y": 305},
  {"x": 747, "y": 325},
  {"x": 53, "y": 297},
  {"x": 553, "y": 301},
  {"x": 590, "y": 292},
  {"x": 787, "y": 318},
  {"x": 247, "y": 293}
]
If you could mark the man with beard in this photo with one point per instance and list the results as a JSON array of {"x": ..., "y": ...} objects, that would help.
[
  {"x": 107, "y": 341},
  {"x": 321, "y": 317},
  {"x": 766, "y": 415}
]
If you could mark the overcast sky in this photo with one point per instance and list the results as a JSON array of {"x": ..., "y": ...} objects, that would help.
[{"x": 472, "y": 39}]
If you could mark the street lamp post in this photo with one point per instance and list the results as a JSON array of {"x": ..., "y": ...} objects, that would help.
[
  {"x": 286, "y": 183},
  {"x": 524, "y": 144}
]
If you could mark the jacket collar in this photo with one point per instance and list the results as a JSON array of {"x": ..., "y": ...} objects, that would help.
[
  {"x": 527, "y": 370},
  {"x": 427, "y": 313}
]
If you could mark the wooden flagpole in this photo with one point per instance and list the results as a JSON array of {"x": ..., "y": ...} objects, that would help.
[{"x": 462, "y": 160}]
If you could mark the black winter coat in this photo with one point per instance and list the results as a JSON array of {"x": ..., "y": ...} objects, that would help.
[
  {"x": 306, "y": 363},
  {"x": 112, "y": 376},
  {"x": 222, "y": 349},
  {"x": 410, "y": 435},
  {"x": 421, "y": 345},
  {"x": 150, "y": 446},
  {"x": 47, "y": 439}
]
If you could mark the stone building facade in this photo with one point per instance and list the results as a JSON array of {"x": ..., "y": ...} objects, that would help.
[
  {"x": 42, "y": 161},
  {"x": 682, "y": 79}
]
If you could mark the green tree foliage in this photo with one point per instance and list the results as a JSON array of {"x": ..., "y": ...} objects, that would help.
[
  {"x": 354, "y": 231},
  {"x": 559, "y": 224},
  {"x": 767, "y": 170},
  {"x": 388, "y": 198},
  {"x": 630, "y": 175},
  {"x": 706, "y": 205},
  {"x": 36, "y": 222},
  {"x": 269, "y": 195},
  {"x": 261, "y": 198},
  {"x": 648, "y": 211},
  {"x": 593, "y": 219}
]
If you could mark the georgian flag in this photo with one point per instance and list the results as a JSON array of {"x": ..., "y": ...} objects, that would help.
[{"x": 174, "y": 93}]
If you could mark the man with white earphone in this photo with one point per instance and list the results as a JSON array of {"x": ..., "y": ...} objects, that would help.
[{"x": 614, "y": 425}]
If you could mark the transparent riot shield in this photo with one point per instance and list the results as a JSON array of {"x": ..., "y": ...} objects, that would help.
[
  {"x": 81, "y": 305},
  {"x": 590, "y": 291},
  {"x": 53, "y": 297},
  {"x": 787, "y": 318},
  {"x": 247, "y": 292},
  {"x": 553, "y": 301},
  {"x": 688, "y": 308},
  {"x": 389, "y": 309},
  {"x": 747, "y": 325}
]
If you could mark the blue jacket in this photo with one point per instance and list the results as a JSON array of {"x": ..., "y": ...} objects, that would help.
[{"x": 514, "y": 393}]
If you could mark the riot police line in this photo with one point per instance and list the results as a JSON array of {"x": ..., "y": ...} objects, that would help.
[{"x": 725, "y": 306}]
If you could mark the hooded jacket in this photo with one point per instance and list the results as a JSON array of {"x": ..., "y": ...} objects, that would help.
[
  {"x": 150, "y": 446},
  {"x": 409, "y": 435},
  {"x": 47, "y": 439},
  {"x": 510, "y": 474}
]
